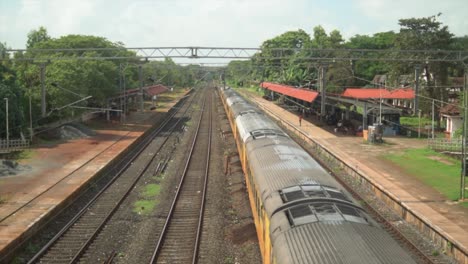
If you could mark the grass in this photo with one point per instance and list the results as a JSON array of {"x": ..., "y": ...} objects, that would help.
[
  {"x": 19, "y": 155},
  {"x": 151, "y": 190},
  {"x": 144, "y": 207},
  {"x": 414, "y": 121},
  {"x": 149, "y": 201},
  {"x": 443, "y": 177}
]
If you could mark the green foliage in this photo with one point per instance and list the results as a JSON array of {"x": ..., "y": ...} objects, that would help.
[
  {"x": 413, "y": 121},
  {"x": 37, "y": 36},
  {"x": 144, "y": 207}
]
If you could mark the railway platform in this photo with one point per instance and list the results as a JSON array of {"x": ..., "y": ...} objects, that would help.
[
  {"x": 443, "y": 220},
  {"x": 58, "y": 172}
]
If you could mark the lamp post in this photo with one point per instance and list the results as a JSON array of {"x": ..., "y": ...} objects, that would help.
[{"x": 7, "y": 128}]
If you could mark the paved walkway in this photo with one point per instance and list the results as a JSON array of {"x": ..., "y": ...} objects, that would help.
[{"x": 447, "y": 216}]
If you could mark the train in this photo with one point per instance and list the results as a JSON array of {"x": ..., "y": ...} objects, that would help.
[{"x": 301, "y": 213}]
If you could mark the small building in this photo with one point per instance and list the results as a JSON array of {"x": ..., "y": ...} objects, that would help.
[{"x": 450, "y": 114}]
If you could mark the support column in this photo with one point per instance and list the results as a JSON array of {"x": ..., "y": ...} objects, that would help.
[
  {"x": 417, "y": 73},
  {"x": 364, "y": 117},
  {"x": 140, "y": 75},
  {"x": 322, "y": 75},
  {"x": 465, "y": 115},
  {"x": 43, "y": 91}
]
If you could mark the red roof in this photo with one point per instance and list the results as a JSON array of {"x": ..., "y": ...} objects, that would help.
[
  {"x": 149, "y": 90},
  {"x": 403, "y": 93},
  {"x": 155, "y": 89},
  {"x": 302, "y": 94}
]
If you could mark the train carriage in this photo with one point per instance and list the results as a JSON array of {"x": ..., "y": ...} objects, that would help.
[{"x": 301, "y": 214}]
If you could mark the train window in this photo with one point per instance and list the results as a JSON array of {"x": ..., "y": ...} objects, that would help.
[
  {"x": 336, "y": 194},
  {"x": 291, "y": 194},
  {"x": 313, "y": 191},
  {"x": 300, "y": 211},
  {"x": 301, "y": 214},
  {"x": 348, "y": 210},
  {"x": 351, "y": 214},
  {"x": 327, "y": 212}
]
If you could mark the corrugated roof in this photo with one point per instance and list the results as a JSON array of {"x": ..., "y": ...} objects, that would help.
[
  {"x": 450, "y": 109},
  {"x": 362, "y": 93},
  {"x": 155, "y": 89},
  {"x": 340, "y": 242},
  {"x": 149, "y": 90},
  {"x": 302, "y": 94}
]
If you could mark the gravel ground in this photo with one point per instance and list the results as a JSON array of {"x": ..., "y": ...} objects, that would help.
[{"x": 228, "y": 231}]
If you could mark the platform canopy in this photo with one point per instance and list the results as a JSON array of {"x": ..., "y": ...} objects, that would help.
[
  {"x": 298, "y": 93},
  {"x": 379, "y": 93}
]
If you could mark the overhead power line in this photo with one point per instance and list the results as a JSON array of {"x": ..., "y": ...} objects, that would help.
[{"x": 323, "y": 55}]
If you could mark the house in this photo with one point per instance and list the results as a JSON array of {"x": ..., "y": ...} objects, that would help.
[{"x": 450, "y": 113}]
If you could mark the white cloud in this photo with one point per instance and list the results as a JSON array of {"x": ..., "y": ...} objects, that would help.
[{"x": 244, "y": 23}]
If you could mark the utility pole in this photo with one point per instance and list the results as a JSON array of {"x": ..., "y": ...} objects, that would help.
[
  {"x": 465, "y": 99},
  {"x": 433, "y": 115},
  {"x": 417, "y": 73},
  {"x": 322, "y": 74},
  {"x": 140, "y": 76},
  {"x": 30, "y": 119},
  {"x": 43, "y": 91},
  {"x": 7, "y": 128}
]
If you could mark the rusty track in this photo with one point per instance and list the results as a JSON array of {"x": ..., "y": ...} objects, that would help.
[
  {"x": 73, "y": 240},
  {"x": 180, "y": 237}
]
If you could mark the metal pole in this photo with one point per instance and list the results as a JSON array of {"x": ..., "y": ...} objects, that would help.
[
  {"x": 140, "y": 75},
  {"x": 380, "y": 107},
  {"x": 322, "y": 74},
  {"x": 417, "y": 69},
  {"x": 465, "y": 99},
  {"x": 7, "y": 128},
  {"x": 43, "y": 91},
  {"x": 125, "y": 99},
  {"x": 433, "y": 114},
  {"x": 30, "y": 120},
  {"x": 419, "y": 128}
]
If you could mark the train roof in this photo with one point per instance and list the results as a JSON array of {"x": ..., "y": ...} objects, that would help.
[
  {"x": 336, "y": 242},
  {"x": 255, "y": 125}
]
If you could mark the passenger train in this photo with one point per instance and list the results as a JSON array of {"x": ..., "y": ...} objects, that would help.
[{"x": 301, "y": 213}]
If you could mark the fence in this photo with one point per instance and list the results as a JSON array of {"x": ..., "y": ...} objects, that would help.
[
  {"x": 443, "y": 144},
  {"x": 13, "y": 145}
]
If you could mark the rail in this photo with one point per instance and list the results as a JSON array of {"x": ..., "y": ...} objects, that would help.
[
  {"x": 127, "y": 160},
  {"x": 185, "y": 193}
]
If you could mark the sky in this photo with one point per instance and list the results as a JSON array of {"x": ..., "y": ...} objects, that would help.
[{"x": 214, "y": 23}]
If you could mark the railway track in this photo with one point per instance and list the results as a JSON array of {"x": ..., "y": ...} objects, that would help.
[
  {"x": 73, "y": 240},
  {"x": 180, "y": 236},
  {"x": 31, "y": 202}
]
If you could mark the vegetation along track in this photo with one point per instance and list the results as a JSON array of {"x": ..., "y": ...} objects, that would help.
[
  {"x": 180, "y": 236},
  {"x": 71, "y": 242}
]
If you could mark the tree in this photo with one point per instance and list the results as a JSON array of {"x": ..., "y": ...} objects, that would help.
[
  {"x": 37, "y": 36},
  {"x": 425, "y": 33},
  {"x": 9, "y": 88},
  {"x": 368, "y": 69}
]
